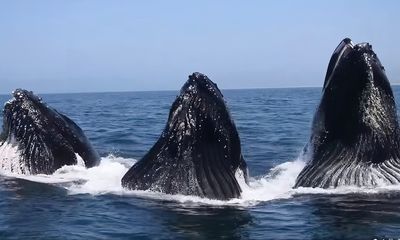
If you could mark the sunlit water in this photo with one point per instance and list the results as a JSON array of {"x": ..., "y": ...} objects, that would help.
[{"x": 274, "y": 125}]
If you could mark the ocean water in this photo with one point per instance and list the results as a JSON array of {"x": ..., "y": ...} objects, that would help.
[{"x": 274, "y": 126}]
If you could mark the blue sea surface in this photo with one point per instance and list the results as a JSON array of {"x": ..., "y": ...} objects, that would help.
[{"x": 274, "y": 125}]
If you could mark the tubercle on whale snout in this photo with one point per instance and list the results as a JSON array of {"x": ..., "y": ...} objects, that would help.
[{"x": 199, "y": 83}]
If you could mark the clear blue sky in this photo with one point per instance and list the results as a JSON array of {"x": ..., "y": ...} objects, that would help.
[{"x": 84, "y": 45}]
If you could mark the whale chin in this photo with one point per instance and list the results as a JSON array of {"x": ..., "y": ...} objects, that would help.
[
  {"x": 36, "y": 139},
  {"x": 198, "y": 153},
  {"x": 355, "y": 131}
]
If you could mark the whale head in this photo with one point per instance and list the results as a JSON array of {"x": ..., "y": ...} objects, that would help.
[
  {"x": 199, "y": 150},
  {"x": 45, "y": 139},
  {"x": 355, "y": 129},
  {"x": 357, "y": 97}
]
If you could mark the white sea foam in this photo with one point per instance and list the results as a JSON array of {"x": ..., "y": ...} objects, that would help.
[
  {"x": 106, "y": 179},
  {"x": 10, "y": 158}
]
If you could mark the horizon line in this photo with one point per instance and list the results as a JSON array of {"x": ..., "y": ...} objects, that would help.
[
  {"x": 163, "y": 90},
  {"x": 171, "y": 90}
]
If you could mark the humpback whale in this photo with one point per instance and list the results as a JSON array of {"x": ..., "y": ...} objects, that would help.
[
  {"x": 36, "y": 139},
  {"x": 198, "y": 153},
  {"x": 355, "y": 131}
]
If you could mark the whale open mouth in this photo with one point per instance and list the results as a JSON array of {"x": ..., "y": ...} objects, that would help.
[
  {"x": 355, "y": 137},
  {"x": 43, "y": 138},
  {"x": 198, "y": 153}
]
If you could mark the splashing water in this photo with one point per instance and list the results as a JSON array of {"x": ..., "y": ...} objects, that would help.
[{"x": 106, "y": 179}]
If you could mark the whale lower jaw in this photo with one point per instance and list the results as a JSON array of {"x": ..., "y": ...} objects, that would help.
[
  {"x": 343, "y": 169},
  {"x": 192, "y": 187},
  {"x": 187, "y": 179},
  {"x": 29, "y": 157},
  {"x": 363, "y": 175},
  {"x": 12, "y": 159}
]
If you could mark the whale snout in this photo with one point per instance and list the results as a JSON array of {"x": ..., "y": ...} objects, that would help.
[
  {"x": 24, "y": 95},
  {"x": 200, "y": 83},
  {"x": 364, "y": 47},
  {"x": 352, "y": 65},
  {"x": 369, "y": 57}
]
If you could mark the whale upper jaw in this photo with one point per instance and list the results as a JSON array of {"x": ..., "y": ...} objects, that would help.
[
  {"x": 24, "y": 95},
  {"x": 25, "y": 98},
  {"x": 347, "y": 53},
  {"x": 341, "y": 51},
  {"x": 198, "y": 153},
  {"x": 199, "y": 83},
  {"x": 45, "y": 139},
  {"x": 356, "y": 93},
  {"x": 355, "y": 132},
  {"x": 199, "y": 100}
]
